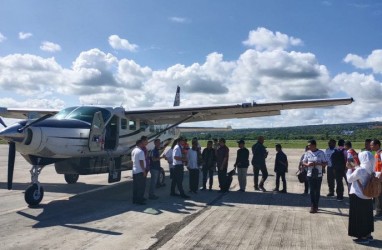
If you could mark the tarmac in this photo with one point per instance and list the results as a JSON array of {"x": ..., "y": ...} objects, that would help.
[{"x": 93, "y": 214}]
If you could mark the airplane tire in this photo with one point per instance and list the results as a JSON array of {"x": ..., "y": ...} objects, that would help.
[
  {"x": 71, "y": 178},
  {"x": 32, "y": 197}
]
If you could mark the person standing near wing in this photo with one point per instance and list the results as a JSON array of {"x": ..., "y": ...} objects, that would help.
[
  {"x": 258, "y": 161},
  {"x": 178, "y": 161}
]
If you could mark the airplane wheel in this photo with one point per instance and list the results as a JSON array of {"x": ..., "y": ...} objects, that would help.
[
  {"x": 32, "y": 196},
  {"x": 71, "y": 178}
]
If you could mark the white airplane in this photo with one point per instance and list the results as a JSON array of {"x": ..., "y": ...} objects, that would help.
[{"x": 86, "y": 140}]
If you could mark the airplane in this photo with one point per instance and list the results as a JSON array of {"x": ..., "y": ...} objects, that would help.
[{"x": 85, "y": 140}]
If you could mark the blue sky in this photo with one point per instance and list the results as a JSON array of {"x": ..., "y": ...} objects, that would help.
[{"x": 63, "y": 53}]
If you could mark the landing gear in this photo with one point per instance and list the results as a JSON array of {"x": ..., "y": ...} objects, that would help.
[
  {"x": 71, "y": 178},
  {"x": 34, "y": 193}
]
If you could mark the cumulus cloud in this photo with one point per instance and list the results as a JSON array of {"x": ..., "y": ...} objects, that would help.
[
  {"x": 123, "y": 44},
  {"x": 50, "y": 47},
  {"x": 264, "y": 39},
  {"x": 24, "y": 35},
  {"x": 179, "y": 19},
  {"x": 258, "y": 74},
  {"x": 2, "y": 37},
  {"x": 373, "y": 61}
]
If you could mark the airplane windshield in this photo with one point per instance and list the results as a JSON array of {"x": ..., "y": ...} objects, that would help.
[{"x": 82, "y": 113}]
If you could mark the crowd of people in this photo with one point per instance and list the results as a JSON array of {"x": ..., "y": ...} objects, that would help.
[{"x": 339, "y": 161}]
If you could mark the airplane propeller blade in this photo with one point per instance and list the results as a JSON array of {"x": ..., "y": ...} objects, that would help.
[
  {"x": 2, "y": 122},
  {"x": 34, "y": 122},
  {"x": 11, "y": 163}
]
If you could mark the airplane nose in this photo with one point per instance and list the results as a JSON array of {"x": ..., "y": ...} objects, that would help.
[{"x": 12, "y": 133}]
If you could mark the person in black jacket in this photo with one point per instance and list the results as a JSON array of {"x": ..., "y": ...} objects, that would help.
[
  {"x": 258, "y": 161},
  {"x": 281, "y": 167},
  {"x": 209, "y": 165},
  {"x": 242, "y": 164}
]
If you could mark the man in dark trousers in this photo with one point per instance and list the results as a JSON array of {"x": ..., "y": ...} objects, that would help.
[
  {"x": 222, "y": 163},
  {"x": 258, "y": 161},
  {"x": 209, "y": 165},
  {"x": 178, "y": 172},
  {"x": 242, "y": 164},
  {"x": 281, "y": 167}
]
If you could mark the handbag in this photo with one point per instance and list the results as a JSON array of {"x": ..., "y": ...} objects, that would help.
[
  {"x": 373, "y": 187},
  {"x": 301, "y": 175}
]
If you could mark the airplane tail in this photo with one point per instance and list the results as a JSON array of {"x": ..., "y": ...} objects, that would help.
[{"x": 177, "y": 97}]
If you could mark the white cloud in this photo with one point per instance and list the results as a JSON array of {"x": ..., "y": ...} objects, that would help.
[
  {"x": 50, "y": 47},
  {"x": 24, "y": 35},
  {"x": 2, "y": 37},
  {"x": 179, "y": 19},
  {"x": 123, "y": 44},
  {"x": 373, "y": 61},
  {"x": 264, "y": 39},
  {"x": 97, "y": 77}
]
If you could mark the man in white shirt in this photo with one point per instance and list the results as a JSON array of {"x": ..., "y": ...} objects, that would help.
[
  {"x": 178, "y": 159},
  {"x": 139, "y": 173},
  {"x": 315, "y": 161}
]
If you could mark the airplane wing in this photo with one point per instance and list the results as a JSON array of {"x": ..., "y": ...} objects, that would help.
[
  {"x": 228, "y": 111},
  {"x": 24, "y": 113}
]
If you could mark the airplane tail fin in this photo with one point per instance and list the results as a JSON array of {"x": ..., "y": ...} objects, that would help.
[{"x": 177, "y": 97}]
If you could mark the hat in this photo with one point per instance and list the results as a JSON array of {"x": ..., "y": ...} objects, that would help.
[{"x": 241, "y": 142}]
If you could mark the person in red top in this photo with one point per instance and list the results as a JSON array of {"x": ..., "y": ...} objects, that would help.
[{"x": 376, "y": 147}]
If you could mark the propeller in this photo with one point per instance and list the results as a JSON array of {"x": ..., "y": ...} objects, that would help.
[
  {"x": 11, "y": 163},
  {"x": 34, "y": 122},
  {"x": 2, "y": 122}
]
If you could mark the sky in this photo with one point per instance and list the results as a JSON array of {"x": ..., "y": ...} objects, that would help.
[{"x": 56, "y": 54}]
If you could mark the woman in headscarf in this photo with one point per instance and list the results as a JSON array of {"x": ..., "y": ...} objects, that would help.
[{"x": 361, "y": 222}]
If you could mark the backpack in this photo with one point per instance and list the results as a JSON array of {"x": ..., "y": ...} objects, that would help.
[
  {"x": 338, "y": 160},
  {"x": 373, "y": 187}
]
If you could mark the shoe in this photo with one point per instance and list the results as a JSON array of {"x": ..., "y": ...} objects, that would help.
[
  {"x": 378, "y": 216},
  {"x": 312, "y": 210},
  {"x": 370, "y": 238},
  {"x": 184, "y": 196},
  {"x": 153, "y": 197},
  {"x": 316, "y": 210},
  {"x": 257, "y": 188},
  {"x": 203, "y": 189},
  {"x": 263, "y": 189},
  {"x": 210, "y": 189},
  {"x": 283, "y": 191},
  {"x": 330, "y": 194},
  {"x": 174, "y": 194},
  {"x": 361, "y": 241}
]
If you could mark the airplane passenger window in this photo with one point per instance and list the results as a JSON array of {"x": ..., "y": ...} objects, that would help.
[
  {"x": 132, "y": 125},
  {"x": 123, "y": 123}
]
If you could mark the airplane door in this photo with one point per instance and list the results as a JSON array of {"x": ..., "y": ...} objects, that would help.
[{"x": 97, "y": 133}]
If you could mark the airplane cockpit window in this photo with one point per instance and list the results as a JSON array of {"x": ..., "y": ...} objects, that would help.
[
  {"x": 82, "y": 113},
  {"x": 60, "y": 115}
]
